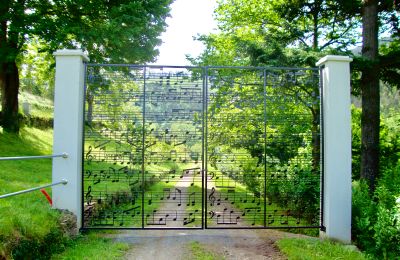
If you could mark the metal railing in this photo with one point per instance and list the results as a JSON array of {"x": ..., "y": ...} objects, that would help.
[
  {"x": 63, "y": 155},
  {"x": 63, "y": 181}
]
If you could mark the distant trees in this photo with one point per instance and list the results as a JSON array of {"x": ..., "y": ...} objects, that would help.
[
  {"x": 298, "y": 32},
  {"x": 112, "y": 31}
]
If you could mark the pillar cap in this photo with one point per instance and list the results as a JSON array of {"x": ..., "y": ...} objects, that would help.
[
  {"x": 338, "y": 58},
  {"x": 70, "y": 52}
]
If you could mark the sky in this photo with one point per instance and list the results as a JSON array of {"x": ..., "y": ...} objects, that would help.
[{"x": 188, "y": 18}]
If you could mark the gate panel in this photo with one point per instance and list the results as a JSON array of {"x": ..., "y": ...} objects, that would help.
[
  {"x": 235, "y": 148},
  {"x": 201, "y": 147},
  {"x": 292, "y": 148},
  {"x": 113, "y": 147}
]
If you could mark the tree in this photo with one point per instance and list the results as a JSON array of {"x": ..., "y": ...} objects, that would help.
[
  {"x": 298, "y": 32},
  {"x": 378, "y": 62},
  {"x": 111, "y": 31},
  {"x": 281, "y": 33},
  {"x": 370, "y": 94}
]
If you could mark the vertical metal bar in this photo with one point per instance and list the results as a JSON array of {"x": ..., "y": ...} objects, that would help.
[
  {"x": 143, "y": 141},
  {"x": 83, "y": 144},
  {"x": 205, "y": 142},
  {"x": 265, "y": 144},
  {"x": 321, "y": 127},
  {"x": 203, "y": 179}
]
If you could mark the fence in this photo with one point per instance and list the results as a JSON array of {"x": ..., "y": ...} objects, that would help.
[{"x": 62, "y": 181}]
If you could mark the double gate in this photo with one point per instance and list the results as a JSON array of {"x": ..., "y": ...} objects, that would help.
[{"x": 201, "y": 147}]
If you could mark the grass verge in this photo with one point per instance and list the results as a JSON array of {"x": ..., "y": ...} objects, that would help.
[
  {"x": 29, "y": 227},
  {"x": 295, "y": 248},
  {"x": 93, "y": 246}
]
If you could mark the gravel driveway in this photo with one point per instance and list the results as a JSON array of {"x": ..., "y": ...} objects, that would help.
[{"x": 231, "y": 244}]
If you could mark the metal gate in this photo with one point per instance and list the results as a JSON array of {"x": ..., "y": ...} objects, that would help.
[{"x": 201, "y": 147}]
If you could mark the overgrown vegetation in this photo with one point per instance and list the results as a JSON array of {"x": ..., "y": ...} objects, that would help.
[{"x": 376, "y": 217}]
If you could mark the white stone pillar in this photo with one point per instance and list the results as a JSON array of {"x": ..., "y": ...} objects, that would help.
[
  {"x": 336, "y": 147},
  {"x": 68, "y": 129}
]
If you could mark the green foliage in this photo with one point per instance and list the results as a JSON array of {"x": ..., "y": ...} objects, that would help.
[
  {"x": 110, "y": 31},
  {"x": 40, "y": 248},
  {"x": 355, "y": 142},
  {"x": 389, "y": 141},
  {"x": 295, "y": 248},
  {"x": 301, "y": 192},
  {"x": 37, "y": 70},
  {"x": 390, "y": 62},
  {"x": 375, "y": 226},
  {"x": 278, "y": 33},
  {"x": 122, "y": 31}
]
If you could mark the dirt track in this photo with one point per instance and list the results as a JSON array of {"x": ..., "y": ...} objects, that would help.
[{"x": 231, "y": 244}]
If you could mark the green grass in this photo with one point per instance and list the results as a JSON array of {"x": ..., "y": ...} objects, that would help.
[
  {"x": 29, "y": 228},
  {"x": 26, "y": 216},
  {"x": 38, "y": 106},
  {"x": 198, "y": 252},
  {"x": 295, "y": 248},
  {"x": 93, "y": 246}
]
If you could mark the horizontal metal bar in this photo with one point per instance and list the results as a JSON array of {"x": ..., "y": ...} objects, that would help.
[
  {"x": 196, "y": 228},
  {"x": 140, "y": 228},
  {"x": 63, "y": 181},
  {"x": 197, "y": 67},
  {"x": 143, "y": 66},
  {"x": 267, "y": 227},
  {"x": 64, "y": 155}
]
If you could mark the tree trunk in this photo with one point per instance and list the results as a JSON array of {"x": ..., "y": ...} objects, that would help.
[
  {"x": 370, "y": 95},
  {"x": 9, "y": 82}
]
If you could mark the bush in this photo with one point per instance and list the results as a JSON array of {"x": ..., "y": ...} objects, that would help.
[
  {"x": 34, "y": 248},
  {"x": 376, "y": 218},
  {"x": 376, "y": 227}
]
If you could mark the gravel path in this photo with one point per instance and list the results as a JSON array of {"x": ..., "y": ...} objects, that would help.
[
  {"x": 231, "y": 244},
  {"x": 237, "y": 244}
]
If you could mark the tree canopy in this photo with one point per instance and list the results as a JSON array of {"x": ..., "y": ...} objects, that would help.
[
  {"x": 110, "y": 31},
  {"x": 299, "y": 32}
]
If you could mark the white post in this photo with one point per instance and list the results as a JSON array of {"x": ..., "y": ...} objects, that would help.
[
  {"x": 337, "y": 147},
  {"x": 68, "y": 128}
]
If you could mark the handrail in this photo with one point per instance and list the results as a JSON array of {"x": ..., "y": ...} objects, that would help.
[
  {"x": 63, "y": 181},
  {"x": 63, "y": 155}
]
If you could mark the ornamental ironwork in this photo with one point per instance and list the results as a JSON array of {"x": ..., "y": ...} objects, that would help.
[{"x": 201, "y": 147}]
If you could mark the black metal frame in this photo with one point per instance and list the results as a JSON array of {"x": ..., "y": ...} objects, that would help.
[{"x": 204, "y": 141}]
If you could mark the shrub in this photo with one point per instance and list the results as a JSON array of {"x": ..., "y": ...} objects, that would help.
[{"x": 376, "y": 227}]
